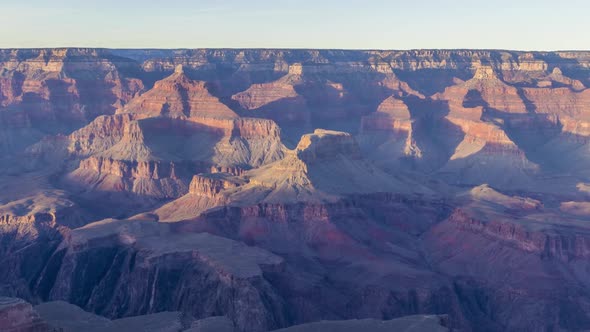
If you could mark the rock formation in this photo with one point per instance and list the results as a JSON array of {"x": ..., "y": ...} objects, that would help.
[
  {"x": 17, "y": 315},
  {"x": 178, "y": 96},
  {"x": 194, "y": 189}
]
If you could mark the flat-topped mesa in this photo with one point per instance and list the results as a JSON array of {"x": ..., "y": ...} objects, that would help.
[
  {"x": 206, "y": 191},
  {"x": 484, "y": 194},
  {"x": 210, "y": 185},
  {"x": 327, "y": 145},
  {"x": 296, "y": 69},
  {"x": 250, "y": 128},
  {"x": 178, "y": 96},
  {"x": 40, "y": 211},
  {"x": 484, "y": 72}
]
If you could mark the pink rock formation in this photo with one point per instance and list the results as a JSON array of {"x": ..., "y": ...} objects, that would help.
[
  {"x": 259, "y": 95},
  {"x": 445, "y": 182},
  {"x": 486, "y": 89},
  {"x": 178, "y": 96}
]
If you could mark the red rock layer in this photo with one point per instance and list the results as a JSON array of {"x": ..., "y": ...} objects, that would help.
[
  {"x": 565, "y": 247},
  {"x": 178, "y": 96}
]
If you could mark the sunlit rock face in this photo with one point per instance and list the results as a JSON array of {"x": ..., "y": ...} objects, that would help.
[{"x": 254, "y": 190}]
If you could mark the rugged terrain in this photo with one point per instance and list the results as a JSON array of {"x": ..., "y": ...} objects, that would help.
[{"x": 295, "y": 189}]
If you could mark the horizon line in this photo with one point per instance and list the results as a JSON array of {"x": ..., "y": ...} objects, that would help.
[{"x": 293, "y": 48}]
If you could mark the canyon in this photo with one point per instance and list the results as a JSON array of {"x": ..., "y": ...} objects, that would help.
[{"x": 294, "y": 190}]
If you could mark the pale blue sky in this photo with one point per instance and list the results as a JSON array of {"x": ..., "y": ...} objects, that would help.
[{"x": 349, "y": 24}]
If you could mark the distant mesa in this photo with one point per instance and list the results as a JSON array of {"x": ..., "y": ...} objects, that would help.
[{"x": 484, "y": 72}]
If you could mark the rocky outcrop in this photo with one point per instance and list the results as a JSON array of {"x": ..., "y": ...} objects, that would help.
[
  {"x": 123, "y": 268},
  {"x": 485, "y": 89},
  {"x": 557, "y": 79},
  {"x": 100, "y": 135},
  {"x": 530, "y": 243},
  {"x": 48, "y": 207},
  {"x": 153, "y": 170},
  {"x": 563, "y": 102},
  {"x": 248, "y": 128},
  {"x": 315, "y": 170},
  {"x": 324, "y": 145},
  {"x": 17, "y": 315},
  {"x": 562, "y": 246},
  {"x": 146, "y": 178},
  {"x": 259, "y": 95},
  {"x": 211, "y": 185},
  {"x": 481, "y": 134},
  {"x": 140, "y": 157},
  {"x": 178, "y": 96},
  {"x": 389, "y": 129},
  {"x": 383, "y": 123},
  {"x": 206, "y": 191}
]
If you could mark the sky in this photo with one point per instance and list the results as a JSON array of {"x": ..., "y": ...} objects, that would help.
[{"x": 324, "y": 24}]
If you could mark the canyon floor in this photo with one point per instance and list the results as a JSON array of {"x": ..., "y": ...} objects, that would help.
[{"x": 294, "y": 190}]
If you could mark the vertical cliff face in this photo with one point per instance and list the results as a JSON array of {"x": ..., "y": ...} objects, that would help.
[{"x": 224, "y": 275}]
